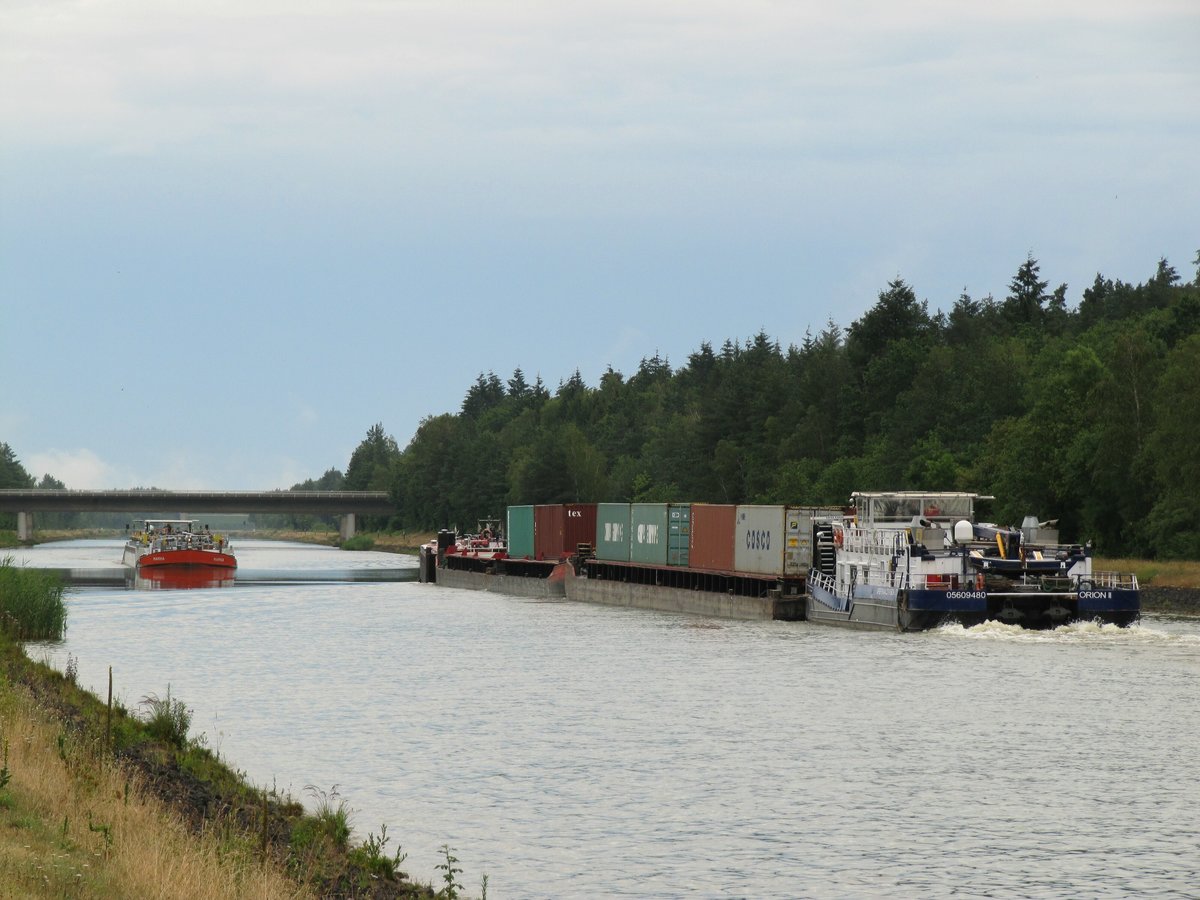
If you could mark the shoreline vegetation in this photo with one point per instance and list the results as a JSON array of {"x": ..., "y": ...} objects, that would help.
[{"x": 97, "y": 800}]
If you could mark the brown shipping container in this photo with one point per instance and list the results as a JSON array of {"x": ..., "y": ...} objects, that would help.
[
  {"x": 712, "y": 537},
  {"x": 579, "y": 526},
  {"x": 547, "y": 530},
  {"x": 559, "y": 528}
]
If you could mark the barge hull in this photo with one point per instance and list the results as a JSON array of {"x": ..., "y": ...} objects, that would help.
[
  {"x": 511, "y": 585},
  {"x": 681, "y": 600}
]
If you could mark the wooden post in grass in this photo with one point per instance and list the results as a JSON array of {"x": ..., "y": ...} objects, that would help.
[
  {"x": 264, "y": 833},
  {"x": 108, "y": 715}
]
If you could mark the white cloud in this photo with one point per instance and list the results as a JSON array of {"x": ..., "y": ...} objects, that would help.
[
  {"x": 78, "y": 469},
  {"x": 136, "y": 77}
]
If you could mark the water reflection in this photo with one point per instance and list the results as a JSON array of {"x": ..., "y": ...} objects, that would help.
[{"x": 174, "y": 578}]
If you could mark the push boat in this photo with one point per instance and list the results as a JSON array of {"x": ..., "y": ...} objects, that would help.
[
  {"x": 910, "y": 561},
  {"x": 176, "y": 542}
]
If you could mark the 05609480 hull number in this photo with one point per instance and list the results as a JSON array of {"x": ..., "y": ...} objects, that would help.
[{"x": 966, "y": 595}]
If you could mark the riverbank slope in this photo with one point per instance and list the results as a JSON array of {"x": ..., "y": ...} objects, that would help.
[{"x": 101, "y": 803}]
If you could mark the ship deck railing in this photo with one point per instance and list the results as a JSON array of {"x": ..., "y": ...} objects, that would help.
[
  {"x": 1126, "y": 581},
  {"x": 826, "y": 583},
  {"x": 875, "y": 543}
]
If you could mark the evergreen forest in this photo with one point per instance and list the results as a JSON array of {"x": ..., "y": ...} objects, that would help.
[{"x": 1088, "y": 414}]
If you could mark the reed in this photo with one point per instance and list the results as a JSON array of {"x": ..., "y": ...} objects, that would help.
[{"x": 31, "y": 603}]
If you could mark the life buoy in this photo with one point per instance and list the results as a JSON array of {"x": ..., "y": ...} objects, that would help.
[{"x": 839, "y": 536}]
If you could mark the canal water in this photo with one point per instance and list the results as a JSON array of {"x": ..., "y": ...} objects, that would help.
[{"x": 569, "y": 750}]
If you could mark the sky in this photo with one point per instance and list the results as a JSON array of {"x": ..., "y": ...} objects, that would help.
[{"x": 236, "y": 234}]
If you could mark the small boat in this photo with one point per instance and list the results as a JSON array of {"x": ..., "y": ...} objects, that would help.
[
  {"x": 176, "y": 542},
  {"x": 908, "y": 561}
]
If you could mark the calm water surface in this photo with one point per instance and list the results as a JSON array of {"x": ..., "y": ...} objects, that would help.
[{"x": 570, "y": 750}]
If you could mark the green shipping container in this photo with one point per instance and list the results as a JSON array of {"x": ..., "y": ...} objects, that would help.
[
  {"x": 648, "y": 533},
  {"x": 612, "y": 532},
  {"x": 520, "y": 531},
  {"x": 679, "y": 538}
]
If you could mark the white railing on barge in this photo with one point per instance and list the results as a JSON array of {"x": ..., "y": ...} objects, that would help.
[
  {"x": 1125, "y": 581},
  {"x": 825, "y": 583},
  {"x": 872, "y": 542}
]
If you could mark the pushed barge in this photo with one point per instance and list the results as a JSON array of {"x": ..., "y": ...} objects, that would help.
[
  {"x": 909, "y": 561},
  {"x": 481, "y": 562}
]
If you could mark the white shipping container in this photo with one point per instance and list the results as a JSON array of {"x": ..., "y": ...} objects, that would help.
[
  {"x": 758, "y": 539},
  {"x": 772, "y": 540}
]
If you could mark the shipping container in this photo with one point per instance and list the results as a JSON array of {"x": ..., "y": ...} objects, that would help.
[
  {"x": 579, "y": 527},
  {"x": 679, "y": 534},
  {"x": 559, "y": 529},
  {"x": 612, "y": 532},
  {"x": 712, "y": 536},
  {"x": 773, "y": 540},
  {"x": 520, "y": 531},
  {"x": 547, "y": 530},
  {"x": 648, "y": 533}
]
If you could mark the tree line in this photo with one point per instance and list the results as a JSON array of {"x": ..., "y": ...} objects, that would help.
[{"x": 1087, "y": 414}]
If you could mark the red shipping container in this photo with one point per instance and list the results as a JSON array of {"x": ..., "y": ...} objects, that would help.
[
  {"x": 712, "y": 537},
  {"x": 558, "y": 529}
]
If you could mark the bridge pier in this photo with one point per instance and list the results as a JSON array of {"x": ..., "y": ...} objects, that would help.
[
  {"x": 24, "y": 526},
  {"x": 346, "y": 526}
]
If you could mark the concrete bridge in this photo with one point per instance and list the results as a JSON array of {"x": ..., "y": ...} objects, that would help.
[{"x": 345, "y": 504}]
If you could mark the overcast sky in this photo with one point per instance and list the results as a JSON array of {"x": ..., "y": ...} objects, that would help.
[{"x": 235, "y": 235}]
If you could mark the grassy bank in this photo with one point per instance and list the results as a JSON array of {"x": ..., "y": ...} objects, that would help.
[
  {"x": 101, "y": 801},
  {"x": 1155, "y": 573},
  {"x": 389, "y": 541}
]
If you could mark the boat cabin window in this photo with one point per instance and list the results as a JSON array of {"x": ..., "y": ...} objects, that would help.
[{"x": 904, "y": 507}]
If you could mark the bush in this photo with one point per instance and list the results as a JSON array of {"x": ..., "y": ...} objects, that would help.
[{"x": 359, "y": 542}]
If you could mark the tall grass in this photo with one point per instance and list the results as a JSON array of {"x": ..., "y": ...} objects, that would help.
[
  {"x": 74, "y": 826},
  {"x": 31, "y": 603}
]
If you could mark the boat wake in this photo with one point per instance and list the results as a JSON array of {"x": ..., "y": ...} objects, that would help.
[{"x": 1074, "y": 633}]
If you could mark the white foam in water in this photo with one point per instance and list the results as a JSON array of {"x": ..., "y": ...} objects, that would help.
[{"x": 1075, "y": 632}]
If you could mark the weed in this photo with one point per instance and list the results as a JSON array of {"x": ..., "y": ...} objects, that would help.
[
  {"x": 105, "y": 830},
  {"x": 167, "y": 719},
  {"x": 72, "y": 670},
  {"x": 332, "y": 814},
  {"x": 5, "y": 775},
  {"x": 449, "y": 874},
  {"x": 373, "y": 858}
]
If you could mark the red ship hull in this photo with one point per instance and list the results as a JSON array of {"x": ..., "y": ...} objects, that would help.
[{"x": 187, "y": 558}]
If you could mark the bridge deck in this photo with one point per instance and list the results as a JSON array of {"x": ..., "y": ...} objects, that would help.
[{"x": 314, "y": 502}]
